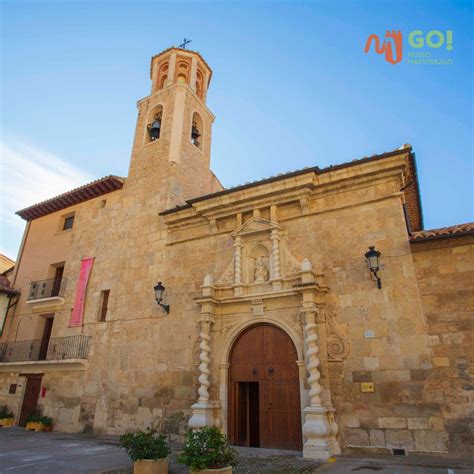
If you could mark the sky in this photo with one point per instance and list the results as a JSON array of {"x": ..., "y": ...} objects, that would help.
[{"x": 292, "y": 87}]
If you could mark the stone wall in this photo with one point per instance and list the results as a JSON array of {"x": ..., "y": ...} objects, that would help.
[
  {"x": 12, "y": 401},
  {"x": 445, "y": 272}
]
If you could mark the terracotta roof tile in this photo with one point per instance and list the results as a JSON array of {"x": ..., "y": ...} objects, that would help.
[
  {"x": 5, "y": 286},
  {"x": 83, "y": 193},
  {"x": 443, "y": 232}
]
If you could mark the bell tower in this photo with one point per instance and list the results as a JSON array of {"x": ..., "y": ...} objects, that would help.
[{"x": 172, "y": 145}]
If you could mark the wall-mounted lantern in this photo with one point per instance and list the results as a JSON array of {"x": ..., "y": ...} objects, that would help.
[
  {"x": 159, "y": 290},
  {"x": 372, "y": 256}
]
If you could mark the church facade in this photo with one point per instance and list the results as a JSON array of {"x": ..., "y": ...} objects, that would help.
[{"x": 268, "y": 322}]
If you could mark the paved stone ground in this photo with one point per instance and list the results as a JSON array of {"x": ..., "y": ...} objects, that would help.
[
  {"x": 358, "y": 463},
  {"x": 28, "y": 452}
]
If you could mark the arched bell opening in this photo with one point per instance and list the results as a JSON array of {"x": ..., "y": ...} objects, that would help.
[
  {"x": 154, "y": 124},
  {"x": 197, "y": 131}
]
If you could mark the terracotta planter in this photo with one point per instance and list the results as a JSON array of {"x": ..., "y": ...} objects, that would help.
[
  {"x": 48, "y": 428},
  {"x": 150, "y": 466},
  {"x": 222, "y": 470},
  {"x": 6, "y": 422}
]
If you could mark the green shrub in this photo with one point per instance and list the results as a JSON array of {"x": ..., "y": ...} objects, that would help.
[
  {"x": 207, "y": 449},
  {"x": 145, "y": 445},
  {"x": 35, "y": 417},
  {"x": 5, "y": 412},
  {"x": 46, "y": 420}
]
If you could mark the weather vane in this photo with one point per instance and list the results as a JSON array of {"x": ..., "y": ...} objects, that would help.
[{"x": 184, "y": 43}]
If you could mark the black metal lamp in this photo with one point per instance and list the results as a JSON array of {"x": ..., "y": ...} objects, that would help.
[
  {"x": 372, "y": 256},
  {"x": 159, "y": 290}
]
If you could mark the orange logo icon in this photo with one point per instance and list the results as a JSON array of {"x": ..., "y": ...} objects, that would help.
[{"x": 392, "y": 42}]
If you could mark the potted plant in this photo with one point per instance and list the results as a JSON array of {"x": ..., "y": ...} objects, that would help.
[
  {"x": 47, "y": 423},
  {"x": 207, "y": 451},
  {"x": 34, "y": 421},
  {"x": 6, "y": 417},
  {"x": 148, "y": 451}
]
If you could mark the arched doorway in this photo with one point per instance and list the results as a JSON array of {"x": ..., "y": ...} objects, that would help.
[{"x": 264, "y": 394}]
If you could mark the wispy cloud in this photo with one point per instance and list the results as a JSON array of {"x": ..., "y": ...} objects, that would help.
[{"x": 28, "y": 175}]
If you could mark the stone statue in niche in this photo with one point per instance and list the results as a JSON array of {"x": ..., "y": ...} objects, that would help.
[{"x": 261, "y": 272}]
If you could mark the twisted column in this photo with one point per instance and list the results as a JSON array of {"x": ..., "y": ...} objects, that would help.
[
  {"x": 238, "y": 261},
  {"x": 204, "y": 358},
  {"x": 320, "y": 441},
  {"x": 203, "y": 410},
  {"x": 276, "y": 253},
  {"x": 312, "y": 349}
]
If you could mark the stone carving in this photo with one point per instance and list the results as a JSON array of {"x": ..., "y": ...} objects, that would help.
[
  {"x": 202, "y": 410},
  {"x": 276, "y": 253},
  {"x": 238, "y": 261},
  {"x": 227, "y": 278},
  {"x": 261, "y": 272},
  {"x": 338, "y": 345},
  {"x": 228, "y": 325},
  {"x": 261, "y": 255},
  {"x": 204, "y": 365},
  {"x": 292, "y": 264},
  {"x": 298, "y": 319},
  {"x": 318, "y": 429},
  {"x": 312, "y": 350},
  {"x": 257, "y": 307}
]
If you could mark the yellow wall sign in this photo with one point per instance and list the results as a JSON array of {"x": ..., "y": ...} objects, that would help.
[{"x": 367, "y": 387}]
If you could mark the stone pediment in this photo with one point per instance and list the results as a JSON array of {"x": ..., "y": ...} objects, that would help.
[{"x": 255, "y": 225}]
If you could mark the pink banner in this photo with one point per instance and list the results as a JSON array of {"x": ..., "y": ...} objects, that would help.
[{"x": 78, "y": 310}]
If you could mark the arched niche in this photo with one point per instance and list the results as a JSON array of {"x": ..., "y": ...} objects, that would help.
[
  {"x": 162, "y": 76},
  {"x": 199, "y": 84},
  {"x": 197, "y": 131},
  {"x": 154, "y": 124},
  {"x": 182, "y": 72},
  {"x": 257, "y": 264}
]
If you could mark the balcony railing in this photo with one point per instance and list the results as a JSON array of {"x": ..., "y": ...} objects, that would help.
[
  {"x": 58, "y": 348},
  {"x": 47, "y": 288}
]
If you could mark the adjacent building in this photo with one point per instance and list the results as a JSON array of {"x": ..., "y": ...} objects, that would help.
[{"x": 268, "y": 322}]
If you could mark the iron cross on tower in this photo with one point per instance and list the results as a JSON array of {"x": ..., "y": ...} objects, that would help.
[{"x": 184, "y": 43}]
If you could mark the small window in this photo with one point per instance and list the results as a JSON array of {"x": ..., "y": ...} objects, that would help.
[
  {"x": 68, "y": 222},
  {"x": 12, "y": 390},
  {"x": 104, "y": 304}
]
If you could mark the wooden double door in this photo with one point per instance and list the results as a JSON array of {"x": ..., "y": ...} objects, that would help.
[{"x": 264, "y": 390}]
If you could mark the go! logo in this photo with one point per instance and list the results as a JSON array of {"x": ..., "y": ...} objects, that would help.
[{"x": 392, "y": 45}]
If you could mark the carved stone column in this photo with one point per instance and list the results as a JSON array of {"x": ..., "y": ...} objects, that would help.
[
  {"x": 316, "y": 427},
  {"x": 276, "y": 259},
  {"x": 204, "y": 409},
  {"x": 319, "y": 428},
  {"x": 238, "y": 266}
]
